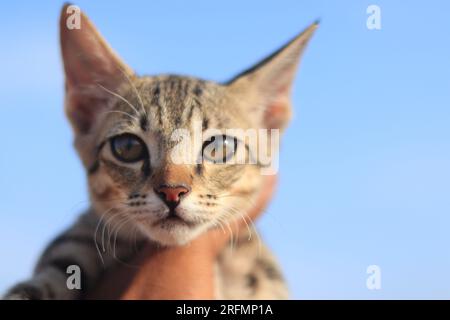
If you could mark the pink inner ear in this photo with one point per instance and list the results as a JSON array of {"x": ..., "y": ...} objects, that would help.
[
  {"x": 82, "y": 111},
  {"x": 80, "y": 115},
  {"x": 276, "y": 115},
  {"x": 277, "y": 112}
]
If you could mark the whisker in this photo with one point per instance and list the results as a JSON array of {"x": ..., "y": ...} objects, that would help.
[
  {"x": 243, "y": 215},
  {"x": 95, "y": 234},
  {"x": 123, "y": 112},
  {"x": 114, "y": 226},
  {"x": 120, "y": 97},
  {"x": 135, "y": 90},
  {"x": 125, "y": 221},
  {"x": 227, "y": 224},
  {"x": 106, "y": 228}
]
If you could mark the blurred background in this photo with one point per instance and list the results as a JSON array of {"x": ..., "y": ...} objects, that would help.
[{"x": 365, "y": 164}]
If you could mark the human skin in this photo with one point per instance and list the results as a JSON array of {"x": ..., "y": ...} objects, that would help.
[{"x": 179, "y": 272}]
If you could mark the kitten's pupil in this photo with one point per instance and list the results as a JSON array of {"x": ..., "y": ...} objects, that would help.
[
  {"x": 128, "y": 148},
  {"x": 219, "y": 149}
]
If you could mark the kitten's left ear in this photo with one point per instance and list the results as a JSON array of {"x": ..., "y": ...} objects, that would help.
[
  {"x": 265, "y": 87},
  {"x": 90, "y": 65}
]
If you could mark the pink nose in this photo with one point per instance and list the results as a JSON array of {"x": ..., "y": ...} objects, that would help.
[{"x": 171, "y": 194}]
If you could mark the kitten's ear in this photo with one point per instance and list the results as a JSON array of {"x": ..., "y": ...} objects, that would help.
[
  {"x": 266, "y": 86},
  {"x": 90, "y": 65}
]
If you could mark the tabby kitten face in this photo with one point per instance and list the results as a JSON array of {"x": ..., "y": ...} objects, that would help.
[
  {"x": 124, "y": 132},
  {"x": 135, "y": 173}
]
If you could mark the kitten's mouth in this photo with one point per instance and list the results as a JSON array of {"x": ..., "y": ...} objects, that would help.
[{"x": 173, "y": 219}]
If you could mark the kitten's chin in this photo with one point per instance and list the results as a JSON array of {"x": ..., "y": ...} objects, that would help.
[{"x": 173, "y": 236}]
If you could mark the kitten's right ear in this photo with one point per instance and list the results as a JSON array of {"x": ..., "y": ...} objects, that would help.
[
  {"x": 266, "y": 86},
  {"x": 90, "y": 66}
]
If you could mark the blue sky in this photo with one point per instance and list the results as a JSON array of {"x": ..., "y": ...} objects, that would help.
[{"x": 365, "y": 175}]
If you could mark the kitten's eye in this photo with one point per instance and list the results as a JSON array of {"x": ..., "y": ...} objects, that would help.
[
  {"x": 128, "y": 148},
  {"x": 219, "y": 149}
]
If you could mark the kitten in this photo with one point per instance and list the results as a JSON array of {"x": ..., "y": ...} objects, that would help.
[{"x": 123, "y": 126}]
